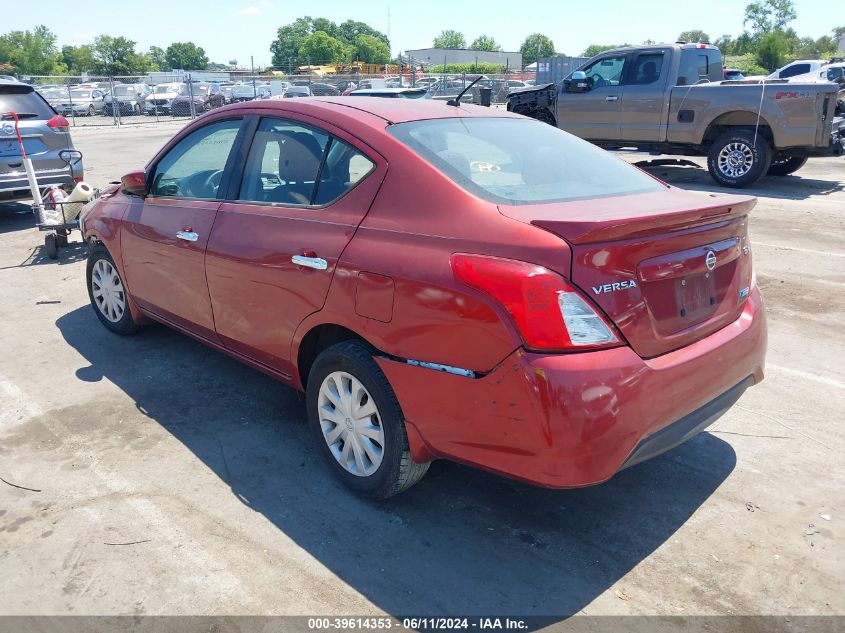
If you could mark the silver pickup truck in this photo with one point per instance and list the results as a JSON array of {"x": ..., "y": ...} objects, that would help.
[{"x": 670, "y": 99}]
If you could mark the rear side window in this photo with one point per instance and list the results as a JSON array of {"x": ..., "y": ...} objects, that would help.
[
  {"x": 695, "y": 66},
  {"x": 795, "y": 70},
  {"x": 520, "y": 161},
  {"x": 296, "y": 165},
  {"x": 25, "y": 102},
  {"x": 194, "y": 167},
  {"x": 647, "y": 69}
]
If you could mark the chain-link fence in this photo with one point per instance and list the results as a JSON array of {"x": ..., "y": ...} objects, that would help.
[{"x": 161, "y": 97}]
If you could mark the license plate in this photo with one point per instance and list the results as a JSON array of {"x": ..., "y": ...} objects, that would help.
[{"x": 695, "y": 295}]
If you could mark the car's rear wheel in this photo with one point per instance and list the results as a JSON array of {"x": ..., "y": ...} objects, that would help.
[
  {"x": 107, "y": 293},
  {"x": 357, "y": 423},
  {"x": 786, "y": 165},
  {"x": 739, "y": 158}
]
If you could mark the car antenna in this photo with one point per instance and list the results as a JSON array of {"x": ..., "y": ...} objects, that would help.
[{"x": 457, "y": 100}]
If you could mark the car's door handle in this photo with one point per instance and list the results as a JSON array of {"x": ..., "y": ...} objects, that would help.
[
  {"x": 611, "y": 98},
  {"x": 188, "y": 236},
  {"x": 310, "y": 262}
]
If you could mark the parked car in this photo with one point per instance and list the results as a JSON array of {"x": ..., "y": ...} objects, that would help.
[
  {"x": 160, "y": 99},
  {"x": 442, "y": 282},
  {"x": 80, "y": 102},
  {"x": 246, "y": 91},
  {"x": 732, "y": 74},
  {"x": 671, "y": 99},
  {"x": 798, "y": 69},
  {"x": 323, "y": 90},
  {"x": 205, "y": 96},
  {"x": 129, "y": 97},
  {"x": 395, "y": 93},
  {"x": 47, "y": 142},
  {"x": 293, "y": 92}
]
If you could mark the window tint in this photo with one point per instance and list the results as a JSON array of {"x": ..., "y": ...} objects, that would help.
[
  {"x": 647, "y": 68},
  {"x": 194, "y": 168},
  {"x": 344, "y": 168},
  {"x": 283, "y": 163},
  {"x": 519, "y": 161},
  {"x": 605, "y": 72},
  {"x": 792, "y": 71},
  {"x": 25, "y": 101},
  {"x": 694, "y": 67}
]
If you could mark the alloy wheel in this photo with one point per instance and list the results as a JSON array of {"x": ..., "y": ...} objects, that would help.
[{"x": 736, "y": 159}]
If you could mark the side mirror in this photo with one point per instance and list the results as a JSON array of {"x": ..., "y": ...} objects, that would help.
[
  {"x": 577, "y": 82},
  {"x": 135, "y": 183}
]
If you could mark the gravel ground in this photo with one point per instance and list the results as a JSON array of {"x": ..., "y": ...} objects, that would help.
[{"x": 204, "y": 465}]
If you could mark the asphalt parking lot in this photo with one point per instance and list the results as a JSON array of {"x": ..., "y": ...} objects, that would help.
[{"x": 167, "y": 478}]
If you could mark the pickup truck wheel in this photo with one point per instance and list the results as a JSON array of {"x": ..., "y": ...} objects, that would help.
[
  {"x": 736, "y": 160},
  {"x": 787, "y": 165},
  {"x": 357, "y": 423}
]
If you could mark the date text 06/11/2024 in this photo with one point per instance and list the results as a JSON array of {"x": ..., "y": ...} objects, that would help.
[{"x": 418, "y": 623}]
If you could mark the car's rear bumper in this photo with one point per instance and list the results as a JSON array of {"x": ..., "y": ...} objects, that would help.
[
  {"x": 15, "y": 186},
  {"x": 570, "y": 420}
]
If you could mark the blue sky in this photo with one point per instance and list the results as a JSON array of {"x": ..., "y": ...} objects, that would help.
[{"x": 236, "y": 29}]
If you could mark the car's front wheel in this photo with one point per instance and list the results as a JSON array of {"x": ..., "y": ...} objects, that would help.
[
  {"x": 107, "y": 293},
  {"x": 357, "y": 423},
  {"x": 739, "y": 158}
]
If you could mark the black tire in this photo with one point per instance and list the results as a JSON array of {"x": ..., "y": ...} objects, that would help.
[
  {"x": 544, "y": 115},
  {"x": 126, "y": 324},
  {"x": 786, "y": 165},
  {"x": 397, "y": 471},
  {"x": 92, "y": 110},
  {"x": 51, "y": 245},
  {"x": 757, "y": 156}
]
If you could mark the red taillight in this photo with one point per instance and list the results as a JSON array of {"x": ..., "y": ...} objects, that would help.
[
  {"x": 58, "y": 121},
  {"x": 550, "y": 314},
  {"x": 78, "y": 179}
]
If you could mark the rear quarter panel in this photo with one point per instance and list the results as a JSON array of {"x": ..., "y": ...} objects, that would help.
[{"x": 792, "y": 111}]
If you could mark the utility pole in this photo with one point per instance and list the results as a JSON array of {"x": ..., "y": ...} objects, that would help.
[{"x": 252, "y": 66}]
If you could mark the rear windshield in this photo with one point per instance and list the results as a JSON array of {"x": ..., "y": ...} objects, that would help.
[
  {"x": 520, "y": 161},
  {"x": 23, "y": 100}
]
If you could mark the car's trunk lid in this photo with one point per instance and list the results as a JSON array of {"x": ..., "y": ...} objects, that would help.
[{"x": 667, "y": 268}]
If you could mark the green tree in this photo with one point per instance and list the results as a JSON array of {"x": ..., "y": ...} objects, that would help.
[
  {"x": 326, "y": 26},
  {"x": 485, "y": 43},
  {"x": 766, "y": 16},
  {"x": 535, "y": 46},
  {"x": 450, "y": 39},
  {"x": 78, "y": 59},
  {"x": 114, "y": 55},
  {"x": 351, "y": 30},
  {"x": 595, "y": 49},
  {"x": 289, "y": 39},
  {"x": 158, "y": 57},
  {"x": 371, "y": 50},
  {"x": 320, "y": 47},
  {"x": 186, "y": 56},
  {"x": 32, "y": 52},
  {"x": 695, "y": 35},
  {"x": 726, "y": 44},
  {"x": 772, "y": 49}
]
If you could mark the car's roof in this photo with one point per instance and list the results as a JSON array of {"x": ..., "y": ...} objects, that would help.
[
  {"x": 391, "y": 110},
  {"x": 383, "y": 91}
]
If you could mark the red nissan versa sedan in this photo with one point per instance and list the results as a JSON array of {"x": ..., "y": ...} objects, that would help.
[{"x": 442, "y": 281}]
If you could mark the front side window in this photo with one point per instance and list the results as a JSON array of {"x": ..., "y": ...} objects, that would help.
[
  {"x": 605, "y": 72},
  {"x": 520, "y": 161},
  {"x": 194, "y": 167}
]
